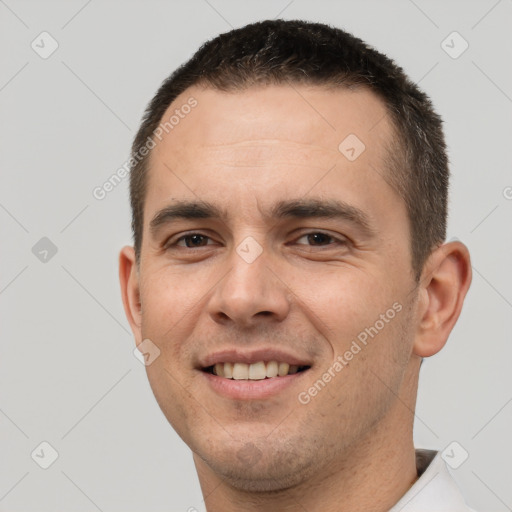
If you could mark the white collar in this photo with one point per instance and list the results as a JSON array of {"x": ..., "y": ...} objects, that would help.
[{"x": 435, "y": 490}]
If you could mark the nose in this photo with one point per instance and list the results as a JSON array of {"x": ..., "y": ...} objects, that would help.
[{"x": 250, "y": 293}]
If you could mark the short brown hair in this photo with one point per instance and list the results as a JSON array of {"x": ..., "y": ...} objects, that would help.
[{"x": 299, "y": 52}]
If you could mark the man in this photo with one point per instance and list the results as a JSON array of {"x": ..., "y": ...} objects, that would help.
[{"x": 288, "y": 275}]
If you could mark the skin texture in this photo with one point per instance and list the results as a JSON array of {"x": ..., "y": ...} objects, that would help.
[{"x": 352, "y": 443}]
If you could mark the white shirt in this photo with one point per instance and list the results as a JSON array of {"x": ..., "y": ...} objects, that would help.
[{"x": 435, "y": 490}]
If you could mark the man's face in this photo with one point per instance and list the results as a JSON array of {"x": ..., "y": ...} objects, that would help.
[{"x": 294, "y": 288}]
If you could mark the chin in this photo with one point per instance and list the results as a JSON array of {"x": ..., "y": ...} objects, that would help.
[{"x": 252, "y": 470}]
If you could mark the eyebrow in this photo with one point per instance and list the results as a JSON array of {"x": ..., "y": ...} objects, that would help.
[{"x": 295, "y": 208}]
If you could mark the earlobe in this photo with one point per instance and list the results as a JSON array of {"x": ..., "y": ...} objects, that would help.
[
  {"x": 445, "y": 282},
  {"x": 130, "y": 290}
]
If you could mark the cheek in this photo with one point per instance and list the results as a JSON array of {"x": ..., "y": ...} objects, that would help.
[
  {"x": 169, "y": 390},
  {"x": 385, "y": 353},
  {"x": 345, "y": 301},
  {"x": 169, "y": 294}
]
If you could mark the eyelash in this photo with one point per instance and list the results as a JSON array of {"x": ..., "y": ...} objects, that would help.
[{"x": 168, "y": 245}]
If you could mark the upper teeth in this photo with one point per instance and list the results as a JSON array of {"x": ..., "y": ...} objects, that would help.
[{"x": 254, "y": 371}]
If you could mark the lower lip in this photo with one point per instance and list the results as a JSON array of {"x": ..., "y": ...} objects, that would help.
[{"x": 251, "y": 389}]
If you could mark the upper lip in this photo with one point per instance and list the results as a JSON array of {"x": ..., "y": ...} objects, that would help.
[{"x": 237, "y": 355}]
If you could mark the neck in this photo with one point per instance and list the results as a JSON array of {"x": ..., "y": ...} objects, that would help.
[{"x": 373, "y": 475}]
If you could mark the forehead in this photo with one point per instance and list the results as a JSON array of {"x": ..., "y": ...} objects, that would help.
[
  {"x": 304, "y": 115},
  {"x": 269, "y": 141}
]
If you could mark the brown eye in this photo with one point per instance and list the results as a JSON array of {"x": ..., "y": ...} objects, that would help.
[
  {"x": 195, "y": 240},
  {"x": 318, "y": 239},
  {"x": 190, "y": 241}
]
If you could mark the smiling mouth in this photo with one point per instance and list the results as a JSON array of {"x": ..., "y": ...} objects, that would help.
[{"x": 255, "y": 371}]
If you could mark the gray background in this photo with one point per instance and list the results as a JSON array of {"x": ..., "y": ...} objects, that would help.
[{"x": 67, "y": 372}]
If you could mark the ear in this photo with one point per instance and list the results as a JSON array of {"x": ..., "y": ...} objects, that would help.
[
  {"x": 130, "y": 290},
  {"x": 443, "y": 286}
]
